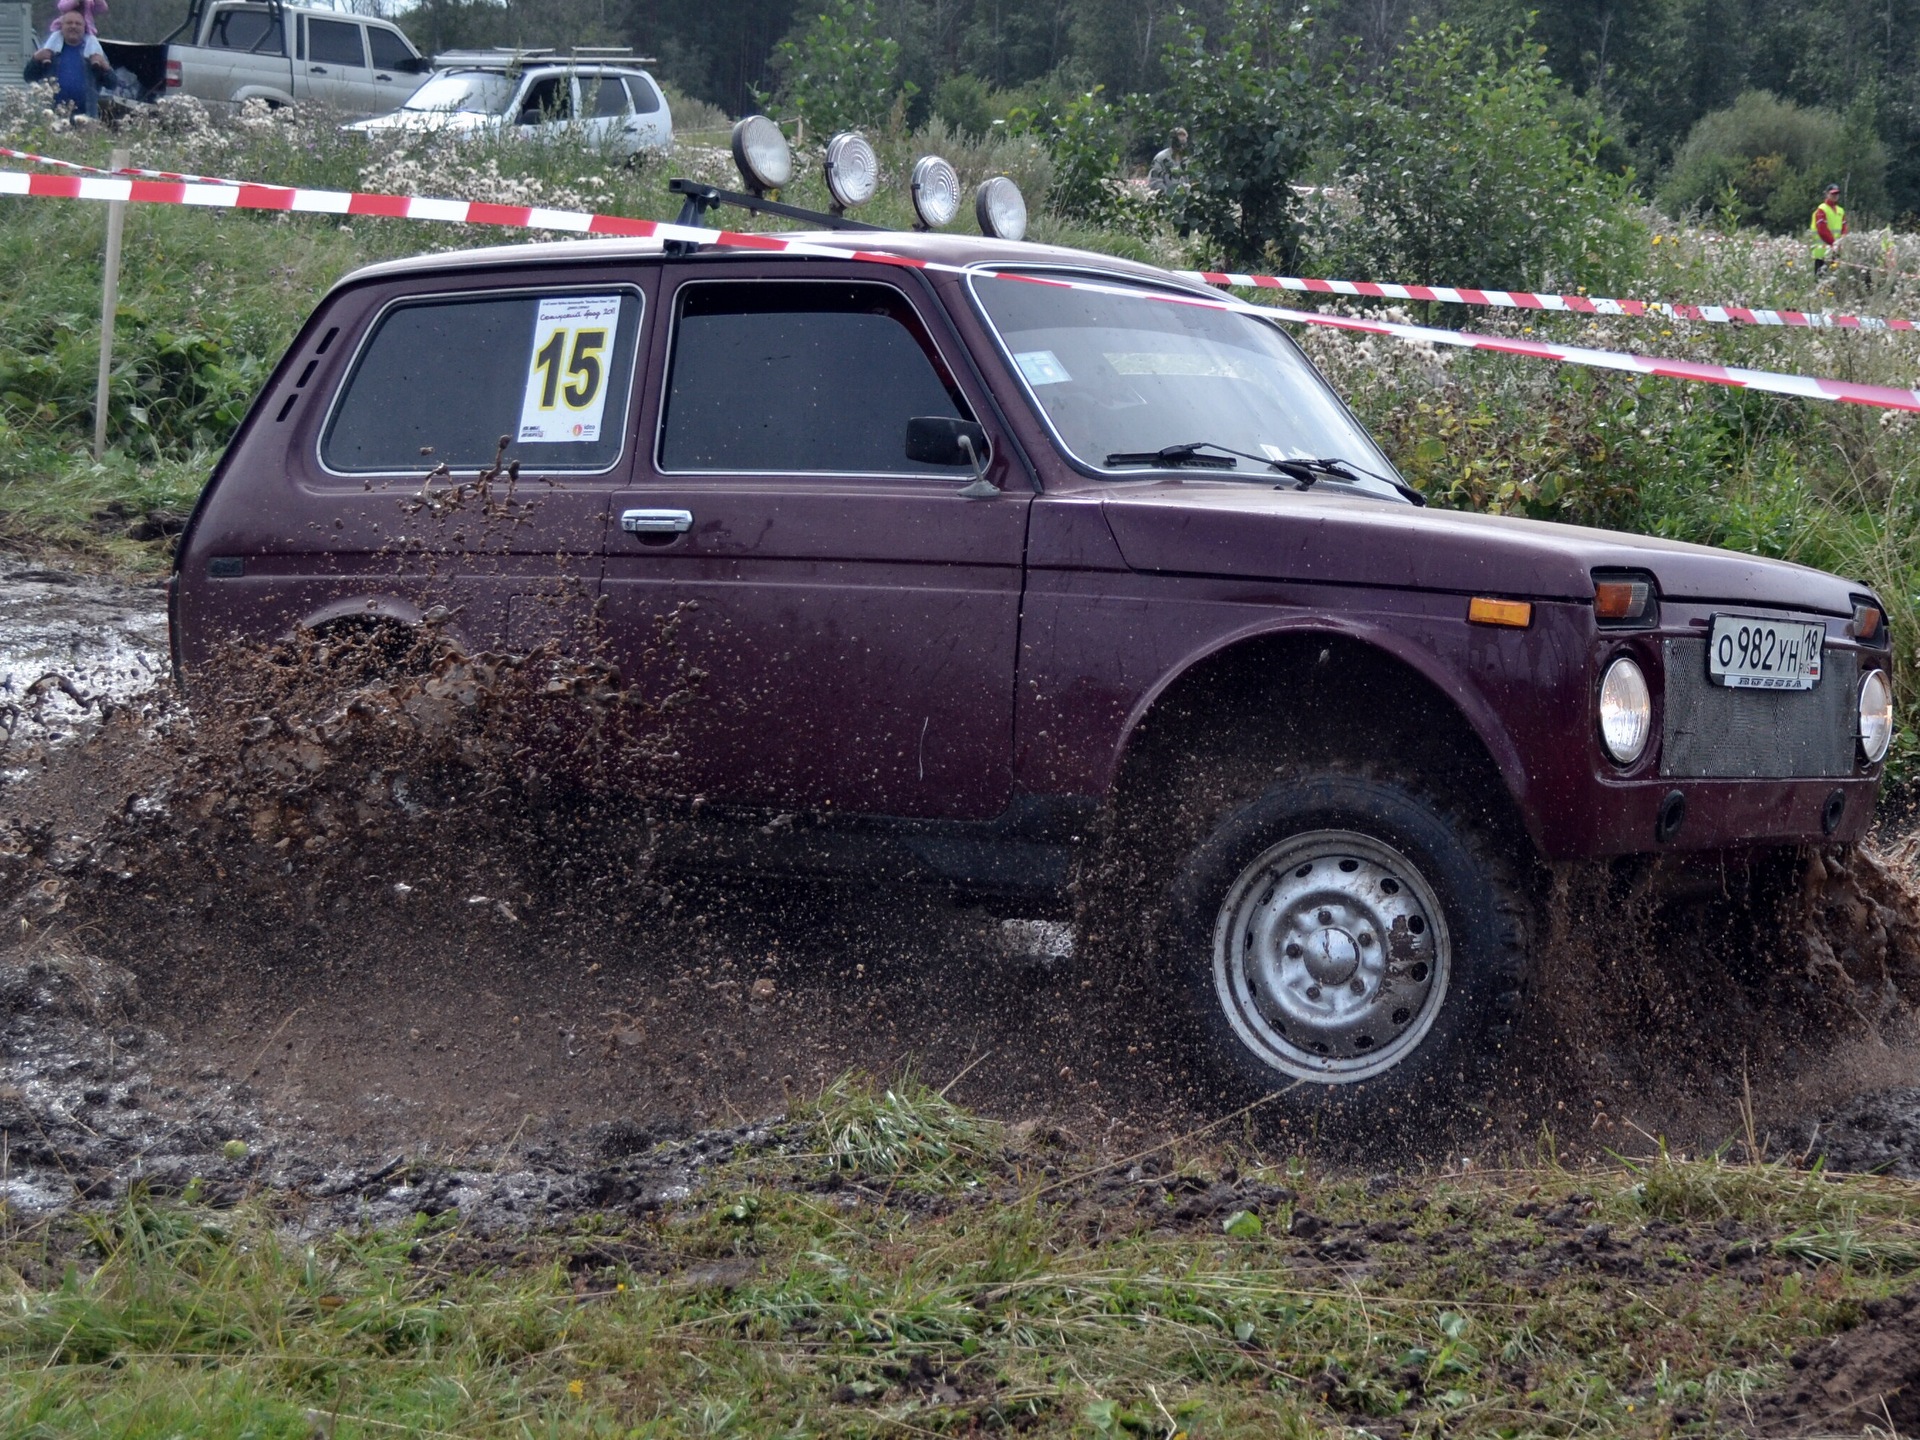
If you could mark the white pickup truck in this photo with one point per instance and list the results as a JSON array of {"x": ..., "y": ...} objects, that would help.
[{"x": 231, "y": 51}]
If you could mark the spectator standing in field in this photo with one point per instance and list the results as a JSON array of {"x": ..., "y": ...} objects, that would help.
[
  {"x": 1829, "y": 223},
  {"x": 1168, "y": 165},
  {"x": 75, "y": 62}
]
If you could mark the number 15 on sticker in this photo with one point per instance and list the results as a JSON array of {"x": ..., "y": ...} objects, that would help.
[{"x": 566, "y": 393}]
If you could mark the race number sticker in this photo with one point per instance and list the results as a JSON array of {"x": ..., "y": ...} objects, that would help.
[{"x": 566, "y": 394}]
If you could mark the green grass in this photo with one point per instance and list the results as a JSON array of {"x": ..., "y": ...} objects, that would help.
[{"x": 841, "y": 1287}]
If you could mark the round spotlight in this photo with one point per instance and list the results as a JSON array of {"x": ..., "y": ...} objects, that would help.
[
  {"x": 760, "y": 151},
  {"x": 936, "y": 192},
  {"x": 853, "y": 170},
  {"x": 1000, "y": 209}
]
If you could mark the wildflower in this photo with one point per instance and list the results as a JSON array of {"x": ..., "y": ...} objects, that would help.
[{"x": 575, "y": 1388}]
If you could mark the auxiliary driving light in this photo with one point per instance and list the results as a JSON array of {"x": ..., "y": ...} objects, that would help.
[
  {"x": 853, "y": 170},
  {"x": 761, "y": 154},
  {"x": 1876, "y": 715},
  {"x": 936, "y": 192},
  {"x": 1000, "y": 209},
  {"x": 1626, "y": 711}
]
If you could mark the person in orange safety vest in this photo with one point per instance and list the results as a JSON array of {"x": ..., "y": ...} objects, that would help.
[{"x": 1829, "y": 223}]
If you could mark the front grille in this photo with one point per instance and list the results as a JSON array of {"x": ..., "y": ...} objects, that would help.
[{"x": 1711, "y": 732}]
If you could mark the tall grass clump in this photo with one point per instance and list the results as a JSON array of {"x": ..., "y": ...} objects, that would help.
[{"x": 900, "y": 1131}]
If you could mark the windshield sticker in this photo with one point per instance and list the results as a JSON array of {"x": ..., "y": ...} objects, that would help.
[
  {"x": 1042, "y": 367},
  {"x": 566, "y": 395},
  {"x": 1137, "y": 362}
]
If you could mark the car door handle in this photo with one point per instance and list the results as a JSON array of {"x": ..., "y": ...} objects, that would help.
[
  {"x": 316, "y": 69},
  {"x": 382, "y": 77},
  {"x": 656, "y": 522}
]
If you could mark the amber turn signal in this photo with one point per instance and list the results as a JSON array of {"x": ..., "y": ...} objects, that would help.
[
  {"x": 1622, "y": 599},
  {"x": 1484, "y": 611},
  {"x": 1866, "y": 621}
]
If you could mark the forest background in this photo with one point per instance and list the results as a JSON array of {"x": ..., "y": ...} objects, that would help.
[{"x": 1644, "y": 72}]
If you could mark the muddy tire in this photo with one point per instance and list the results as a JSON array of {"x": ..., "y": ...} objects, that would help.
[{"x": 1356, "y": 944}]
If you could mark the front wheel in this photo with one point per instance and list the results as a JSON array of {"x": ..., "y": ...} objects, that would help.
[{"x": 1354, "y": 943}]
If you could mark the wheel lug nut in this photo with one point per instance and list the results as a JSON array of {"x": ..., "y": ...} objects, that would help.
[
  {"x": 1293, "y": 950},
  {"x": 1358, "y": 986},
  {"x": 1366, "y": 938},
  {"x": 1313, "y": 992},
  {"x": 1326, "y": 917}
]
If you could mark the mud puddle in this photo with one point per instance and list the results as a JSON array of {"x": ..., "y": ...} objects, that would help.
[
  {"x": 363, "y": 955},
  {"x": 70, "y": 643}
]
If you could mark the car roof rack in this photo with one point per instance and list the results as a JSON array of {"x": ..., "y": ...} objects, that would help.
[{"x": 538, "y": 55}]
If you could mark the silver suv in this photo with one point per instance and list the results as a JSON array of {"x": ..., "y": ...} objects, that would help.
[{"x": 576, "y": 99}]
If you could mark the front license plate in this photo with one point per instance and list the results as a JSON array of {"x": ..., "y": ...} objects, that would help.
[{"x": 1747, "y": 654}]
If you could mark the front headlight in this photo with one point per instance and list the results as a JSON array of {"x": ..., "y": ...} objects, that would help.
[
  {"x": 1876, "y": 715},
  {"x": 1626, "y": 711}
]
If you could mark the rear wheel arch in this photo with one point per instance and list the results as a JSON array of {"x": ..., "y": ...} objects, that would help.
[{"x": 392, "y": 627}]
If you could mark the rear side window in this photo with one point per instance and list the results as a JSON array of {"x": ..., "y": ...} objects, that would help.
[
  {"x": 335, "y": 42},
  {"x": 441, "y": 381},
  {"x": 389, "y": 50},
  {"x": 800, "y": 377},
  {"x": 609, "y": 95},
  {"x": 257, "y": 31},
  {"x": 646, "y": 100}
]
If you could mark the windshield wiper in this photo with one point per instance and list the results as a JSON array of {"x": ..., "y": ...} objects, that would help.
[
  {"x": 1304, "y": 472},
  {"x": 1172, "y": 455}
]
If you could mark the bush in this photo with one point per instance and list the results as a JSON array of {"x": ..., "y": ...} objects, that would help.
[
  {"x": 1254, "y": 106},
  {"x": 1089, "y": 141},
  {"x": 839, "y": 70},
  {"x": 964, "y": 103},
  {"x": 1457, "y": 169},
  {"x": 1764, "y": 161}
]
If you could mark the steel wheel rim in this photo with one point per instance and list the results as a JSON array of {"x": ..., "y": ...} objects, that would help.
[{"x": 1331, "y": 956}]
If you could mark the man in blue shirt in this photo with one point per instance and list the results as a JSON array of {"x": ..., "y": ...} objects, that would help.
[{"x": 76, "y": 62}]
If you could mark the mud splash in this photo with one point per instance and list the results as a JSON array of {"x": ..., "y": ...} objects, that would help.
[{"x": 1741, "y": 999}]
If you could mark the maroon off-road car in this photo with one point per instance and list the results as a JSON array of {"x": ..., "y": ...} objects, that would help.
[{"x": 999, "y": 583}]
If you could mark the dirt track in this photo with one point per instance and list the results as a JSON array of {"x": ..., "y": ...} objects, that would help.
[{"x": 509, "y": 999}]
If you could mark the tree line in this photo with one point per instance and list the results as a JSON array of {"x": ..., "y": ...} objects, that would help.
[{"x": 1649, "y": 69}]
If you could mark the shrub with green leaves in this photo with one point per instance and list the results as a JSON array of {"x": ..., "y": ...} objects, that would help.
[
  {"x": 1457, "y": 168},
  {"x": 1253, "y": 101},
  {"x": 840, "y": 70},
  {"x": 1765, "y": 161}
]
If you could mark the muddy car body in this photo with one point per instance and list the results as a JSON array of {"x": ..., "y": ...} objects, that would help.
[{"x": 1335, "y": 734}]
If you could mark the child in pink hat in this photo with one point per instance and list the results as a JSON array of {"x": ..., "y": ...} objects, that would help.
[{"x": 89, "y": 10}]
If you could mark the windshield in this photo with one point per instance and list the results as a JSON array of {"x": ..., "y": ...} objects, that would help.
[
  {"x": 479, "y": 92},
  {"x": 1124, "y": 376}
]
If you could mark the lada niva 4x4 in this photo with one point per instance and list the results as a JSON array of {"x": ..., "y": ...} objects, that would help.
[{"x": 989, "y": 576}]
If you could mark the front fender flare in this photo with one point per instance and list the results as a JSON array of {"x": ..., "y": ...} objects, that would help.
[{"x": 1472, "y": 706}]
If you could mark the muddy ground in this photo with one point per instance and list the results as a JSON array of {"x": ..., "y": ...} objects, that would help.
[{"x": 504, "y": 1005}]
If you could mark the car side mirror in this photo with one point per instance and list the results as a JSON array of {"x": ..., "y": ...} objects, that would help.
[
  {"x": 937, "y": 440},
  {"x": 948, "y": 440}
]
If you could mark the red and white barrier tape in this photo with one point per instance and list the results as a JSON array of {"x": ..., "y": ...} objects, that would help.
[
  {"x": 33, "y": 159},
  {"x": 1564, "y": 304},
  {"x": 1363, "y": 289},
  {"x": 471, "y": 212},
  {"x": 1885, "y": 397}
]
